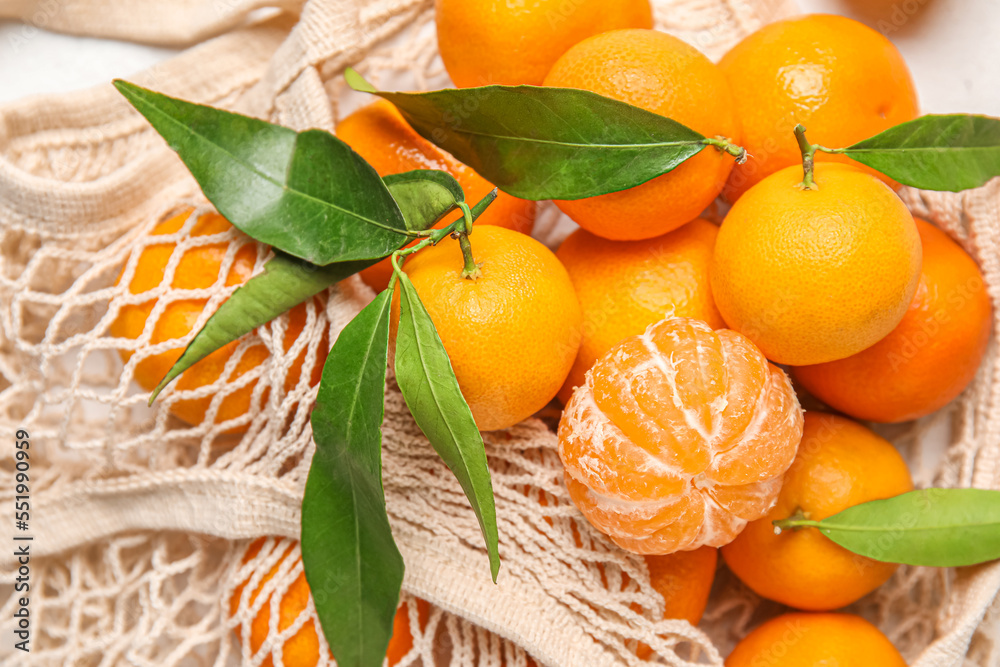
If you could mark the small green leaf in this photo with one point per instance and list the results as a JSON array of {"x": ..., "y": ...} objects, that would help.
[
  {"x": 935, "y": 527},
  {"x": 428, "y": 383},
  {"x": 307, "y": 194},
  {"x": 285, "y": 283},
  {"x": 546, "y": 143},
  {"x": 424, "y": 196},
  {"x": 954, "y": 152},
  {"x": 351, "y": 562}
]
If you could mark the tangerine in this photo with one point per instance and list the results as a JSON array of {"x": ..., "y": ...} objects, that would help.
[
  {"x": 844, "y": 81},
  {"x": 662, "y": 74},
  {"x": 840, "y": 464},
  {"x": 512, "y": 333},
  {"x": 684, "y": 579},
  {"x": 485, "y": 42},
  {"x": 379, "y": 133},
  {"x": 302, "y": 648},
  {"x": 811, "y": 640},
  {"x": 199, "y": 268},
  {"x": 678, "y": 438},
  {"x": 624, "y": 286},
  {"x": 814, "y": 275},
  {"x": 929, "y": 358}
]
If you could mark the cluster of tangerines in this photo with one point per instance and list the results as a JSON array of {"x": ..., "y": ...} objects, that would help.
[{"x": 679, "y": 435}]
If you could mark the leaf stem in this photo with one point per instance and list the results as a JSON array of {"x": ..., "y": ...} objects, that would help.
[
  {"x": 798, "y": 519},
  {"x": 824, "y": 149},
  {"x": 460, "y": 228},
  {"x": 727, "y": 146},
  {"x": 808, "y": 151}
]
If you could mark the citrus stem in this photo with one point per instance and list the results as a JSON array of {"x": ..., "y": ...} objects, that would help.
[
  {"x": 460, "y": 228},
  {"x": 808, "y": 151},
  {"x": 727, "y": 146},
  {"x": 468, "y": 216},
  {"x": 798, "y": 519},
  {"x": 471, "y": 269}
]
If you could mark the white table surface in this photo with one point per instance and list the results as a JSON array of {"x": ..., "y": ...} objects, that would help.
[{"x": 949, "y": 45}]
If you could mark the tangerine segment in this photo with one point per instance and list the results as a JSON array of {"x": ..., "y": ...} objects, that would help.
[{"x": 678, "y": 437}]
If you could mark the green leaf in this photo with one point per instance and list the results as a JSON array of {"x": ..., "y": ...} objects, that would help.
[
  {"x": 936, "y": 527},
  {"x": 424, "y": 194},
  {"x": 285, "y": 283},
  {"x": 546, "y": 143},
  {"x": 351, "y": 562},
  {"x": 429, "y": 386},
  {"x": 954, "y": 152},
  {"x": 307, "y": 194}
]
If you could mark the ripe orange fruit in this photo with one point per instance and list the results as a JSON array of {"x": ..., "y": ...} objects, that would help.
[
  {"x": 302, "y": 648},
  {"x": 840, "y": 464},
  {"x": 842, "y": 80},
  {"x": 812, "y": 640},
  {"x": 199, "y": 268},
  {"x": 624, "y": 286},
  {"x": 662, "y": 74},
  {"x": 684, "y": 579},
  {"x": 380, "y": 134},
  {"x": 929, "y": 358},
  {"x": 485, "y": 42},
  {"x": 816, "y": 275},
  {"x": 678, "y": 438},
  {"x": 512, "y": 333}
]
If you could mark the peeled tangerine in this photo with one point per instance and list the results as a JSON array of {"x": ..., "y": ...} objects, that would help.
[{"x": 679, "y": 437}]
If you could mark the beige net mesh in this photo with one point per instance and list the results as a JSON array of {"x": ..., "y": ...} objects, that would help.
[{"x": 141, "y": 521}]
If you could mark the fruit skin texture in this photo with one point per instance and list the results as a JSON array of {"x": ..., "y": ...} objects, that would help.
[
  {"x": 485, "y": 42},
  {"x": 379, "y": 133},
  {"x": 662, "y": 74},
  {"x": 624, "y": 286},
  {"x": 840, "y": 464},
  {"x": 302, "y": 648},
  {"x": 815, "y": 640},
  {"x": 678, "y": 438},
  {"x": 811, "y": 276},
  {"x": 929, "y": 358},
  {"x": 684, "y": 579},
  {"x": 512, "y": 333},
  {"x": 199, "y": 268},
  {"x": 839, "y": 78}
]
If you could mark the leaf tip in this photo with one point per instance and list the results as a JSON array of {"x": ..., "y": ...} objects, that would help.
[
  {"x": 124, "y": 87},
  {"x": 160, "y": 387},
  {"x": 358, "y": 82}
]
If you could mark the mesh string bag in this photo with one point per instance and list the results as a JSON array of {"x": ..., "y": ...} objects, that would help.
[{"x": 141, "y": 521}]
